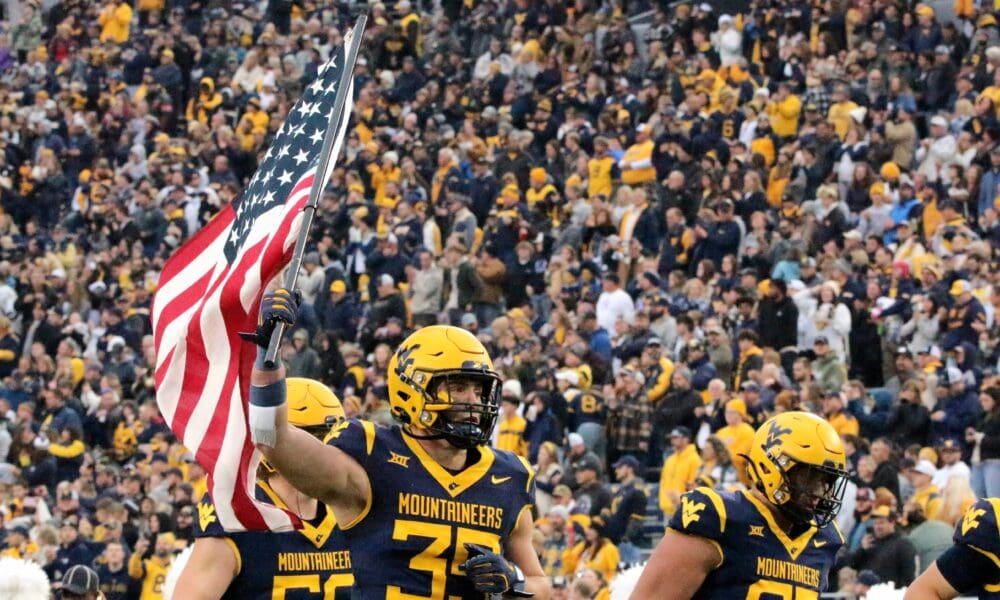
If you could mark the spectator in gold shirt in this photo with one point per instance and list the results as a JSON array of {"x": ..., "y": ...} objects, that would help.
[{"x": 510, "y": 432}]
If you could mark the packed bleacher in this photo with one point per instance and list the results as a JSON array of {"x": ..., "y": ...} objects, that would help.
[{"x": 666, "y": 221}]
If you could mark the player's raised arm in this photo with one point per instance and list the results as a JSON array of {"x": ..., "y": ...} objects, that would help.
[
  {"x": 323, "y": 472},
  {"x": 677, "y": 568},
  {"x": 970, "y": 566}
]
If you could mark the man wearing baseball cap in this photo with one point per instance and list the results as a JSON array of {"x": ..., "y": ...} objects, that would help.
[
  {"x": 887, "y": 552},
  {"x": 592, "y": 495},
  {"x": 952, "y": 464},
  {"x": 905, "y": 370},
  {"x": 966, "y": 317},
  {"x": 957, "y": 406},
  {"x": 630, "y": 422},
  {"x": 624, "y": 517},
  {"x": 658, "y": 369},
  {"x": 926, "y": 495},
  {"x": 679, "y": 470}
]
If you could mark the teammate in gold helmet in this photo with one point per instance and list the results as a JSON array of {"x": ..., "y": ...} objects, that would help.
[
  {"x": 249, "y": 564},
  {"x": 777, "y": 539}
]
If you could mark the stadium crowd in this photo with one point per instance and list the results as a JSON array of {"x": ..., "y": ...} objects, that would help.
[{"x": 666, "y": 223}]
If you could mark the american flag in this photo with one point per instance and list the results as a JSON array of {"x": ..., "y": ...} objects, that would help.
[{"x": 210, "y": 289}]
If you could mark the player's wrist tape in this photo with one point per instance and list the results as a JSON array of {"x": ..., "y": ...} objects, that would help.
[
  {"x": 270, "y": 395},
  {"x": 260, "y": 364},
  {"x": 517, "y": 586},
  {"x": 265, "y": 401}
]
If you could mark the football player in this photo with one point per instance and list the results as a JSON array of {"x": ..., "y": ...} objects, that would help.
[
  {"x": 776, "y": 540},
  {"x": 312, "y": 562},
  {"x": 972, "y": 565},
  {"x": 427, "y": 508}
]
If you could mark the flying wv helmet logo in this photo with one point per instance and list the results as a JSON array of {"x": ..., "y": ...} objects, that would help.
[
  {"x": 774, "y": 434},
  {"x": 405, "y": 358}
]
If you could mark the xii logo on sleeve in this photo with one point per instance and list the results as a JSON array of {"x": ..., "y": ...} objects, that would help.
[{"x": 399, "y": 459}]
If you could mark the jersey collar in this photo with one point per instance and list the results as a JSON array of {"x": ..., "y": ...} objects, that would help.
[
  {"x": 459, "y": 482},
  {"x": 794, "y": 547},
  {"x": 317, "y": 533}
]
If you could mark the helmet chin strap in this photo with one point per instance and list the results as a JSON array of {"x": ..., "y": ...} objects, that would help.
[
  {"x": 792, "y": 512},
  {"x": 432, "y": 436},
  {"x": 459, "y": 441}
]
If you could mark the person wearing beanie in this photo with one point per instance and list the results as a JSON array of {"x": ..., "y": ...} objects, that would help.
[
  {"x": 151, "y": 571},
  {"x": 874, "y": 218},
  {"x": 577, "y": 453},
  {"x": 542, "y": 195},
  {"x": 510, "y": 429}
]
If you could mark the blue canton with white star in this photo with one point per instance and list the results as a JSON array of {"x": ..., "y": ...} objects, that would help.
[{"x": 295, "y": 150}]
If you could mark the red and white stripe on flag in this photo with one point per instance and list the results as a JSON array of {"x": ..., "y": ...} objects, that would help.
[{"x": 210, "y": 289}]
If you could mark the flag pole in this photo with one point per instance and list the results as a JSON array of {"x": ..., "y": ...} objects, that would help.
[{"x": 319, "y": 179}]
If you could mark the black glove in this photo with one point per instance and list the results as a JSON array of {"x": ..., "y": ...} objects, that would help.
[
  {"x": 493, "y": 574},
  {"x": 279, "y": 305}
]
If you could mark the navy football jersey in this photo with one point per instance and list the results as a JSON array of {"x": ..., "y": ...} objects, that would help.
[
  {"x": 759, "y": 560},
  {"x": 972, "y": 566},
  {"x": 312, "y": 562},
  {"x": 410, "y": 541}
]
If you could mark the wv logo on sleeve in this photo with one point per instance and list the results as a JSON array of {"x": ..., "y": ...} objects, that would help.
[
  {"x": 336, "y": 431},
  {"x": 206, "y": 515},
  {"x": 690, "y": 511},
  {"x": 971, "y": 520}
]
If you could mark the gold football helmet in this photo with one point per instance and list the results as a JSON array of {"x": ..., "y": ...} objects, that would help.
[
  {"x": 423, "y": 370},
  {"x": 312, "y": 406},
  {"x": 797, "y": 461}
]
